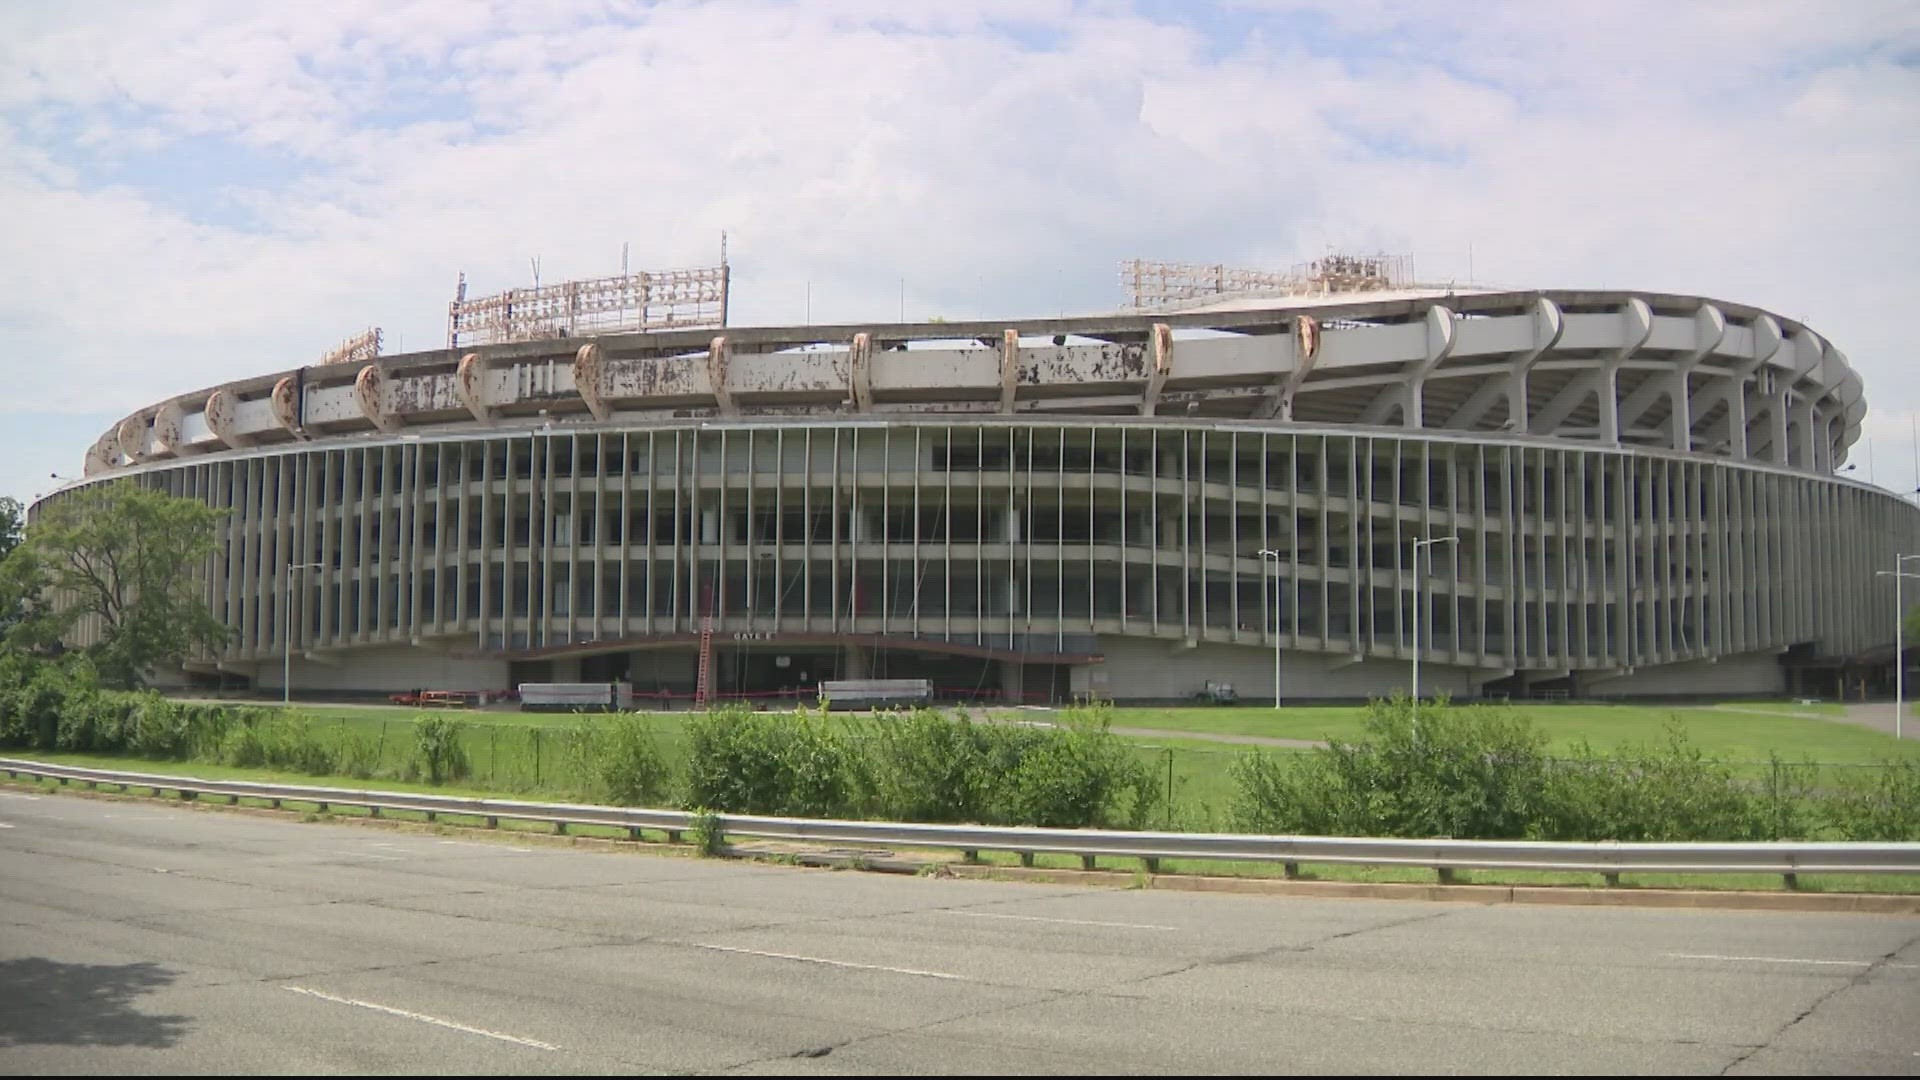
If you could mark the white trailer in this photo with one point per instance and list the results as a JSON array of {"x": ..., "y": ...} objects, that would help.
[{"x": 576, "y": 697}]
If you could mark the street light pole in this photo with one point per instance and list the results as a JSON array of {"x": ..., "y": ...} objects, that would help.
[
  {"x": 1899, "y": 642},
  {"x": 1417, "y": 545},
  {"x": 286, "y": 662},
  {"x": 1265, "y": 554}
]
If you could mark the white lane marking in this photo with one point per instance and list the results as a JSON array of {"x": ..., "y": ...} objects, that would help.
[
  {"x": 1767, "y": 959},
  {"x": 17, "y": 795},
  {"x": 372, "y": 855},
  {"x": 423, "y": 1018},
  {"x": 490, "y": 847},
  {"x": 4, "y": 825},
  {"x": 1044, "y": 919},
  {"x": 829, "y": 963}
]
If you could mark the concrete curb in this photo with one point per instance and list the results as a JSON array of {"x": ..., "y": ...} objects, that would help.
[{"x": 1565, "y": 895}]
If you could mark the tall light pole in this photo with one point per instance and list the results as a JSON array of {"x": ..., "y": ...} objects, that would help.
[
  {"x": 286, "y": 662},
  {"x": 1417, "y": 545},
  {"x": 1265, "y": 554},
  {"x": 1899, "y": 641}
]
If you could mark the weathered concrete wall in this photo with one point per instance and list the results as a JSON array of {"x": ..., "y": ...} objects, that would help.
[
  {"x": 1759, "y": 674},
  {"x": 1150, "y": 670}
]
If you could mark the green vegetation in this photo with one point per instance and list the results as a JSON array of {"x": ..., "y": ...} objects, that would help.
[
  {"x": 1482, "y": 772},
  {"x": 124, "y": 557},
  {"x": 1428, "y": 770}
]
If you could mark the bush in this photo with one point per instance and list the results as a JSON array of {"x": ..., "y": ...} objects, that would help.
[
  {"x": 788, "y": 765},
  {"x": 929, "y": 766},
  {"x": 437, "y": 752},
  {"x": 926, "y": 766},
  {"x": 355, "y": 753},
  {"x": 1080, "y": 776},
  {"x": 35, "y": 706},
  {"x": 1422, "y": 769},
  {"x": 1885, "y": 807},
  {"x": 619, "y": 760},
  {"x": 1667, "y": 793}
]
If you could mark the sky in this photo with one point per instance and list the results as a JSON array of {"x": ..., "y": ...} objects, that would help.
[{"x": 195, "y": 192}]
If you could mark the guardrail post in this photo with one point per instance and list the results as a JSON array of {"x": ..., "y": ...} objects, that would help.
[
  {"x": 320, "y": 808},
  {"x": 675, "y": 836},
  {"x": 559, "y": 828},
  {"x": 969, "y": 856},
  {"x": 633, "y": 833},
  {"x": 1446, "y": 875},
  {"x": 432, "y": 816},
  {"x": 1612, "y": 878},
  {"x": 233, "y": 800},
  {"x": 1152, "y": 864},
  {"x": 1086, "y": 862},
  {"x": 1026, "y": 858},
  {"x": 493, "y": 823},
  {"x": 373, "y": 811},
  {"x": 1792, "y": 880},
  {"x": 1290, "y": 870},
  {"x": 276, "y": 804}
]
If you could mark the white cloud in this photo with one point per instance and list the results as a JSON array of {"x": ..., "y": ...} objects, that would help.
[{"x": 999, "y": 159}]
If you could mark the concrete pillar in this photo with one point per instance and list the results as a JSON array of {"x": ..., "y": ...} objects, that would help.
[
  {"x": 1012, "y": 679},
  {"x": 709, "y": 526},
  {"x": 857, "y": 663}
]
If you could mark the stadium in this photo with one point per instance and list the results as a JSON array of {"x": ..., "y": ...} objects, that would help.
[{"x": 1221, "y": 484}]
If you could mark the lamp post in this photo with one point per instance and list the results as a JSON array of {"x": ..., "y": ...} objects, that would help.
[
  {"x": 286, "y": 662},
  {"x": 1265, "y": 554},
  {"x": 1417, "y": 545},
  {"x": 1899, "y": 641}
]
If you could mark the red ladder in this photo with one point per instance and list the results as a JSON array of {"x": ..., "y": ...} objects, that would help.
[{"x": 702, "y": 694}]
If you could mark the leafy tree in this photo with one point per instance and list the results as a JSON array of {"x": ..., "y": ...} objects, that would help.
[
  {"x": 124, "y": 556},
  {"x": 15, "y": 579},
  {"x": 13, "y": 518}
]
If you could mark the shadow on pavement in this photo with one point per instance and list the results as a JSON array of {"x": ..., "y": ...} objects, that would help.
[{"x": 46, "y": 1002}]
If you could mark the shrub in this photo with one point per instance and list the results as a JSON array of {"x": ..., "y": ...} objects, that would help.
[
  {"x": 158, "y": 728},
  {"x": 36, "y": 705},
  {"x": 925, "y": 765},
  {"x": 1667, "y": 793},
  {"x": 619, "y": 760},
  {"x": 1884, "y": 807},
  {"x": 789, "y": 765},
  {"x": 437, "y": 752},
  {"x": 1423, "y": 768},
  {"x": 1080, "y": 776},
  {"x": 355, "y": 753}
]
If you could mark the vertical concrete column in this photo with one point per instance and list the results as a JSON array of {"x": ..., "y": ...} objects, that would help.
[
  {"x": 1013, "y": 537},
  {"x": 857, "y": 662},
  {"x": 709, "y": 526},
  {"x": 1013, "y": 679}
]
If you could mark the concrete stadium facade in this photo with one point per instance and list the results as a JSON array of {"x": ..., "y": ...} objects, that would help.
[{"x": 1643, "y": 488}]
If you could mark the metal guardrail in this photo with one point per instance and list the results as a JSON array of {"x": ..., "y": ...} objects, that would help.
[{"x": 1786, "y": 859}]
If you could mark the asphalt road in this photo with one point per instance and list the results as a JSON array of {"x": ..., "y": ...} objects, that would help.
[{"x": 138, "y": 937}]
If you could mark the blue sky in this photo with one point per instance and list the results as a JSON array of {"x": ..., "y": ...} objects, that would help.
[{"x": 191, "y": 193}]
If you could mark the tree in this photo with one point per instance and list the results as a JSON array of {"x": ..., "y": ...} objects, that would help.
[
  {"x": 124, "y": 556},
  {"x": 13, "y": 518}
]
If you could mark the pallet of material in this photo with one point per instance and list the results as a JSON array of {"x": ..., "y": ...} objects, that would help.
[{"x": 845, "y": 695}]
